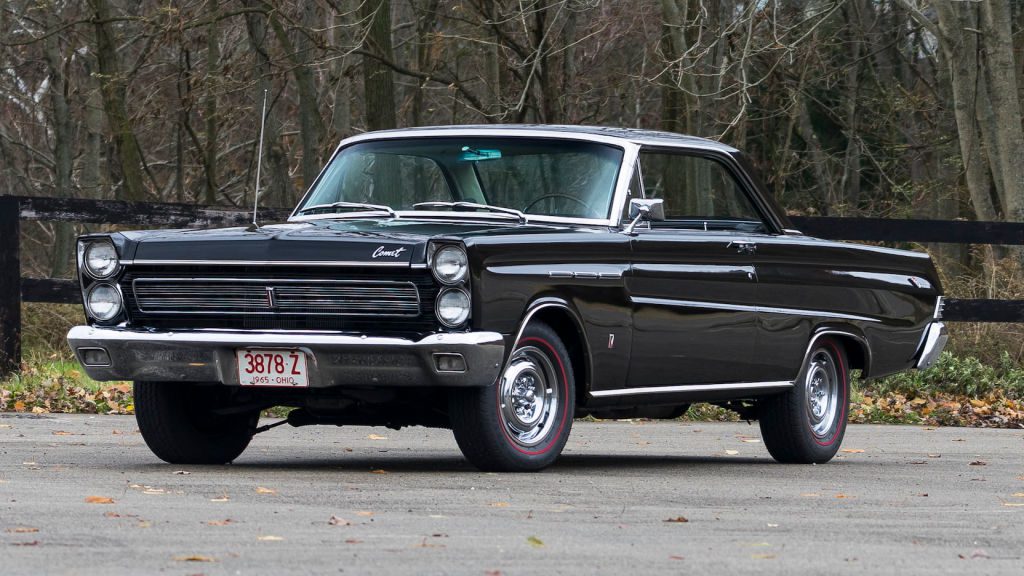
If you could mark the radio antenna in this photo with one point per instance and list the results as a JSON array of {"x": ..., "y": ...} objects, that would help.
[{"x": 259, "y": 163}]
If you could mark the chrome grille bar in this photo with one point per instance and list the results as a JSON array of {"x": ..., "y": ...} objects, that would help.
[{"x": 174, "y": 296}]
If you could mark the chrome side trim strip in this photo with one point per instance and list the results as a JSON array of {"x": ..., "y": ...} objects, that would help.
[
  {"x": 270, "y": 263},
  {"x": 747, "y": 308},
  {"x": 759, "y": 386}
]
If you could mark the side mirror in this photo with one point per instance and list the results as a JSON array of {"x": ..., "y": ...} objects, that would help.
[{"x": 649, "y": 209}]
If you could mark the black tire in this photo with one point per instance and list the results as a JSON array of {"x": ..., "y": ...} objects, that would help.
[
  {"x": 178, "y": 425},
  {"x": 492, "y": 434},
  {"x": 799, "y": 430}
]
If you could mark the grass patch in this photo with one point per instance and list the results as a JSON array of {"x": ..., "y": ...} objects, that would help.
[{"x": 53, "y": 383}]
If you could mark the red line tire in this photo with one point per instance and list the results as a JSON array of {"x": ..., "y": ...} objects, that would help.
[
  {"x": 521, "y": 422},
  {"x": 806, "y": 424}
]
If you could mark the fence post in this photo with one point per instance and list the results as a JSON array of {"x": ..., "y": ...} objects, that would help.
[{"x": 10, "y": 285}]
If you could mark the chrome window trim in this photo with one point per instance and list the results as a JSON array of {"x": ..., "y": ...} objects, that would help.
[
  {"x": 630, "y": 148},
  {"x": 740, "y": 386}
]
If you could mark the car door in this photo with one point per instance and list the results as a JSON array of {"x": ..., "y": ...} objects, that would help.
[{"x": 692, "y": 280}]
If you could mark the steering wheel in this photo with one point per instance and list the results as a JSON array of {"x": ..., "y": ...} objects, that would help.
[{"x": 588, "y": 210}]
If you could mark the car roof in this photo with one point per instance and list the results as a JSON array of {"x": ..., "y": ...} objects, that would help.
[{"x": 634, "y": 135}]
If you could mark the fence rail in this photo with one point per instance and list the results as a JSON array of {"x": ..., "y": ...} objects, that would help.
[{"x": 14, "y": 289}]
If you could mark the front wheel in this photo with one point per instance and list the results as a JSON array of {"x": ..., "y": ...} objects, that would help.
[
  {"x": 806, "y": 424},
  {"x": 521, "y": 422},
  {"x": 179, "y": 423}
]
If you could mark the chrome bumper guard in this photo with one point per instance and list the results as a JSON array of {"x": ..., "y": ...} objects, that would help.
[
  {"x": 333, "y": 359},
  {"x": 934, "y": 341}
]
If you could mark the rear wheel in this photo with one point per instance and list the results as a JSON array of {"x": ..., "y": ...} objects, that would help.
[
  {"x": 521, "y": 422},
  {"x": 806, "y": 424},
  {"x": 179, "y": 423}
]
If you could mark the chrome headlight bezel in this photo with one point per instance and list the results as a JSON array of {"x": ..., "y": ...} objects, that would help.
[
  {"x": 463, "y": 316},
  {"x": 118, "y": 302},
  {"x": 85, "y": 248},
  {"x": 441, "y": 255}
]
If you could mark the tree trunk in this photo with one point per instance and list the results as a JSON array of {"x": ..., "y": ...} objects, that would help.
[
  {"x": 60, "y": 256},
  {"x": 115, "y": 91},
  {"x": 210, "y": 103},
  {"x": 378, "y": 79}
]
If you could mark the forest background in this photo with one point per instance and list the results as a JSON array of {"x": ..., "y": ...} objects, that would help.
[{"x": 886, "y": 108}]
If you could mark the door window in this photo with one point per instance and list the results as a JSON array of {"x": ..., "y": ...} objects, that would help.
[{"x": 698, "y": 192}]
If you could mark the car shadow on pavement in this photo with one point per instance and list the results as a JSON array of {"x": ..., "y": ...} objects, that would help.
[{"x": 432, "y": 464}]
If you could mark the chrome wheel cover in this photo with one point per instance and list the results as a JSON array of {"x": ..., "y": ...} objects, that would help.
[
  {"x": 821, "y": 389},
  {"x": 528, "y": 397}
]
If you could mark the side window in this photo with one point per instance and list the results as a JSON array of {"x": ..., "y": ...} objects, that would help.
[{"x": 697, "y": 190}]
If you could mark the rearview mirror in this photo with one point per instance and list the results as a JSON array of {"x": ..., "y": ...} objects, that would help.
[{"x": 649, "y": 209}]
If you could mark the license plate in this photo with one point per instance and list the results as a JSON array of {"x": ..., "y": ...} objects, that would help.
[{"x": 272, "y": 368}]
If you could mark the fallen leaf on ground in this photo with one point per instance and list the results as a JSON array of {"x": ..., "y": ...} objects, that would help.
[
  {"x": 852, "y": 450},
  {"x": 1018, "y": 494},
  {"x": 336, "y": 521},
  {"x": 182, "y": 472},
  {"x": 732, "y": 452},
  {"x": 378, "y": 471},
  {"x": 223, "y": 522},
  {"x": 677, "y": 520},
  {"x": 376, "y": 437},
  {"x": 65, "y": 433},
  {"x": 534, "y": 541},
  {"x": 499, "y": 504},
  {"x": 194, "y": 558},
  {"x": 676, "y": 557},
  {"x": 269, "y": 538},
  {"x": 364, "y": 513},
  {"x": 223, "y": 498},
  {"x": 810, "y": 495},
  {"x": 751, "y": 440},
  {"x": 978, "y": 463},
  {"x": 1014, "y": 504},
  {"x": 29, "y": 543},
  {"x": 770, "y": 525},
  {"x": 935, "y": 455},
  {"x": 262, "y": 490},
  {"x": 425, "y": 544},
  {"x": 22, "y": 530},
  {"x": 144, "y": 524},
  {"x": 98, "y": 500},
  {"x": 842, "y": 496},
  {"x": 6, "y": 426},
  {"x": 353, "y": 541},
  {"x": 762, "y": 556}
]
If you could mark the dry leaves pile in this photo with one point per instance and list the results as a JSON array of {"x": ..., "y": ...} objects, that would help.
[
  {"x": 993, "y": 411},
  {"x": 59, "y": 395}
]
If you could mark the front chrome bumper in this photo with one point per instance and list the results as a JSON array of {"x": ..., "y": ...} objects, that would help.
[
  {"x": 333, "y": 359},
  {"x": 935, "y": 338}
]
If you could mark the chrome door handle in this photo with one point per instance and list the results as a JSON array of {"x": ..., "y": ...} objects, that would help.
[{"x": 743, "y": 247}]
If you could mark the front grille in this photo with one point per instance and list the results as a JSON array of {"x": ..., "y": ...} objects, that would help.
[
  {"x": 276, "y": 296},
  {"x": 288, "y": 298}
]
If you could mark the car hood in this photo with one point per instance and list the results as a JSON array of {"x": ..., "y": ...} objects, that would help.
[{"x": 371, "y": 241}]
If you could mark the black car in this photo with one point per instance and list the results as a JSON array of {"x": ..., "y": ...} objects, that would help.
[{"x": 502, "y": 281}]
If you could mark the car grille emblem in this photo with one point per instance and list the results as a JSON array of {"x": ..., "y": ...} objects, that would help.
[{"x": 270, "y": 297}]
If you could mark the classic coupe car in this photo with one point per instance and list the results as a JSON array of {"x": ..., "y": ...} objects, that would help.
[{"x": 502, "y": 281}]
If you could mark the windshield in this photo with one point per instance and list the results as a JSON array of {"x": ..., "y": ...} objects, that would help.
[{"x": 499, "y": 176}]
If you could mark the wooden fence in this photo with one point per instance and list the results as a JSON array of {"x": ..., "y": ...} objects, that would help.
[{"x": 14, "y": 289}]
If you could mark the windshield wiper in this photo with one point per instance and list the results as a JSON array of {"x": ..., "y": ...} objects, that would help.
[
  {"x": 373, "y": 207},
  {"x": 498, "y": 209}
]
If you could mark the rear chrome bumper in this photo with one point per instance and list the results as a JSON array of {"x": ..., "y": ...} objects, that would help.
[
  {"x": 333, "y": 359},
  {"x": 934, "y": 341}
]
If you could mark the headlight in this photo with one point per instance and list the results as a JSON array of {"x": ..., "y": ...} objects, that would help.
[
  {"x": 100, "y": 259},
  {"x": 103, "y": 302},
  {"x": 451, "y": 265},
  {"x": 453, "y": 307}
]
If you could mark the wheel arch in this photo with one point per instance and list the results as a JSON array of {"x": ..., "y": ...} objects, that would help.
[
  {"x": 855, "y": 344},
  {"x": 560, "y": 315}
]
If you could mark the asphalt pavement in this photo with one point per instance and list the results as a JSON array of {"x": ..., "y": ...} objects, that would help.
[{"x": 83, "y": 495}]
